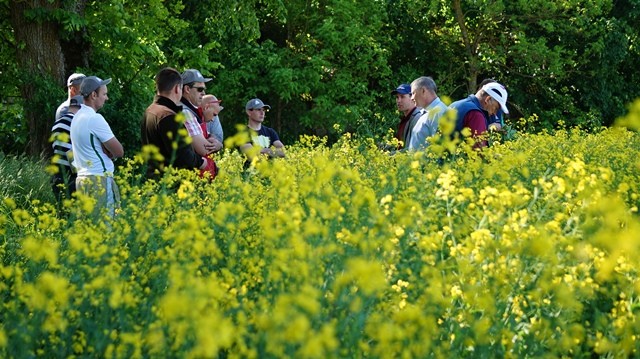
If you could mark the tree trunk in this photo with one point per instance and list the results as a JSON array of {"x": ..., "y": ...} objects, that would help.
[
  {"x": 76, "y": 48},
  {"x": 39, "y": 54},
  {"x": 469, "y": 45}
]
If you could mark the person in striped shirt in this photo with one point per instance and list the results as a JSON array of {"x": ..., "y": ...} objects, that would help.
[{"x": 63, "y": 181}]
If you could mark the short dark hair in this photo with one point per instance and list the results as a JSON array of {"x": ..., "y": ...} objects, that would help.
[
  {"x": 484, "y": 82},
  {"x": 167, "y": 78}
]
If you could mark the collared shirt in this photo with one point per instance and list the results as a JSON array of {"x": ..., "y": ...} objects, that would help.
[
  {"x": 191, "y": 124},
  {"x": 89, "y": 130},
  {"x": 61, "y": 134},
  {"x": 406, "y": 125},
  {"x": 187, "y": 106},
  {"x": 427, "y": 125}
]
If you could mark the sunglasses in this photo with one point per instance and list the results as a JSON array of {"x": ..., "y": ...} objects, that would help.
[
  {"x": 259, "y": 109},
  {"x": 200, "y": 89}
]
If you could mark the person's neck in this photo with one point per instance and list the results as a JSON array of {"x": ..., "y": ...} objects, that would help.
[
  {"x": 171, "y": 96},
  {"x": 407, "y": 112},
  {"x": 188, "y": 102},
  {"x": 429, "y": 102},
  {"x": 254, "y": 125},
  {"x": 91, "y": 104}
]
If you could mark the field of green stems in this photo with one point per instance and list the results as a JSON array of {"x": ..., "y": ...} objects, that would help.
[{"x": 528, "y": 250}]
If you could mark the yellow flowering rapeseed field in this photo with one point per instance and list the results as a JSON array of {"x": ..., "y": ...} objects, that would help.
[{"x": 528, "y": 250}]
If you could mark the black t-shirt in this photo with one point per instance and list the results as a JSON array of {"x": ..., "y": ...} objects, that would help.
[{"x": 265, "y": 138}]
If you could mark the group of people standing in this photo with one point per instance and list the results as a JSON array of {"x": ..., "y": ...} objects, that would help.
[
  {"x": 85, "y": 147},
  {"x": 422, "y": 109}
]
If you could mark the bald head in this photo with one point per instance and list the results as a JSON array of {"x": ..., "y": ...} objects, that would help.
[
  {"x": 207, "y": 99},
  {"x": 210, "y": 107}
]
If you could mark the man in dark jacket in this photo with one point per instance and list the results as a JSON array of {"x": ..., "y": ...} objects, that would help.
[
  {"x": 160, "y": 128},
  {"x": 409, "y": 111}
]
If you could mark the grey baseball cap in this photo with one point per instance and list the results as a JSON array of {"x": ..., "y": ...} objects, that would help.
[
  {"x": 191, "y": 75},
  {"x": 255, "y": 103},
  {"x": 76, "y": 100},
  {"x": 92, "y": 83}
]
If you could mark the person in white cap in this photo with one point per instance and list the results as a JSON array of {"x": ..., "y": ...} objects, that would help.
[
  {"x": 94, "y": 148},
  {"x": 73, "y": 89},
  {"x": 496, "y": 122},
  {"x": 263, "y": 137},
  {"x": 475, "y": 111}
]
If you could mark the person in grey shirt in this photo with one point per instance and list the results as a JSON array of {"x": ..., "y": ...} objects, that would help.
[{"x": 210, "y": 109}]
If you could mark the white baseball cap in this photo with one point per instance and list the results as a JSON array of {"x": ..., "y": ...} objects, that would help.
[{"x": 498, "y": 93}]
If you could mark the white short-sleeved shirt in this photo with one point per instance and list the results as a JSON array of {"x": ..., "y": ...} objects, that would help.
[{"x": 89, "y": 130}]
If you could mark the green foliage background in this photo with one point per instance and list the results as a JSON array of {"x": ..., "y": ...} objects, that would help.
[{"x": 327, "y": 62}]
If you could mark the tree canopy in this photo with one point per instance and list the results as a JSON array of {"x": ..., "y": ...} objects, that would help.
[{"x": 325, "y": 66}]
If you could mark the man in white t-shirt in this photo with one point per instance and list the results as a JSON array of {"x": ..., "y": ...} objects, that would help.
[{"x": 94, "y": 147}]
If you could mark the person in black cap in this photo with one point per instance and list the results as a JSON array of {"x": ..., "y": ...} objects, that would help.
[
  {"x": 410, "y": 113},
  {"x": 63, "y": 181},
  {"x": 95, "y": 147},
  {"x": 263, "y": 137},
  {"x": 73, "y": 89}
]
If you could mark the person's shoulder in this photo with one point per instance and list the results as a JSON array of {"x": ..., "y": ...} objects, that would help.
[
  {"x": 66, "y": 118},
  {"x": 63, "y": 104},
  {"x": 80, "y": 116},
  {"x": 63, "y": 123},
  {"x": 270, "y": 130}
]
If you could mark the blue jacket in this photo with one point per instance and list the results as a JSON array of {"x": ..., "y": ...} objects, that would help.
[{"x": 463, "y": 106}]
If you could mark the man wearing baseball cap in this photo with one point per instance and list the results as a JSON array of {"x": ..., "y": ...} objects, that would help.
[
  {"x": 160, "y": 128},
  {"x": 409, "y": 111},
  {"x": 475, "y": 111},
  {"x": 73, "y": 89},
  {"x": 94, "y": 146},
  {"x": 193, "y": 90},
  {"x": 264, "y": 138},
  {"x": 63, "y": 182}
]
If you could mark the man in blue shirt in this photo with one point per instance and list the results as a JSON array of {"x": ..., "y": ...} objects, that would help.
[{"x": 423, "y": 93}]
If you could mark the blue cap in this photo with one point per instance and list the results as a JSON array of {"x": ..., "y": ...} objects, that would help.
[{"x": 404, "y": 89}]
